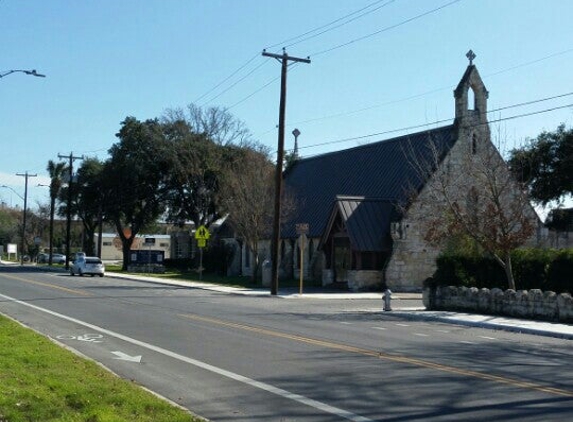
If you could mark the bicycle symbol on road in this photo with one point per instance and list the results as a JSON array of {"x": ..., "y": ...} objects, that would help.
[{"x": 93, "y": 338}]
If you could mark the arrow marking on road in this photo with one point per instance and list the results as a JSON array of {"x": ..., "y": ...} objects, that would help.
[{"x": 124, "y": 356}]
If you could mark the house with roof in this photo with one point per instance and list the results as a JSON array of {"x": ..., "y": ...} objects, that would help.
[{"x": 366, "y": 207}]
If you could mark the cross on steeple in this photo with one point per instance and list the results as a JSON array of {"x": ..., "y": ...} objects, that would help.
[{"x": 471, "y": 56}]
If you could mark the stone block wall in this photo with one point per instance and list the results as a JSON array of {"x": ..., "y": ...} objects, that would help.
[
  {"x": 361, "y": 281},
  {"x": 532, "y": 304}
]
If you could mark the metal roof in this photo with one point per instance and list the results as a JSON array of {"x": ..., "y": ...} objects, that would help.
[
  {"x": 378, "y": 170},
  {"x": 367, "y": 222}
]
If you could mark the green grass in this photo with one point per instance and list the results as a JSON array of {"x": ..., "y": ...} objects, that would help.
[{"x": 39, "y": 381}]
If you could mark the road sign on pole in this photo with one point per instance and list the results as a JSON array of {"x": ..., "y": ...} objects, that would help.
[{"x": 201, "y": 235}]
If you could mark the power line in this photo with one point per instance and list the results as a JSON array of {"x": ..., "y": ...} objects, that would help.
[
  {"x": 388, "y": 28},
  {"x": 227, "y": 78},
  {"x": 433, "y": 91},
  {"x": 339, "y": 25},
  {"x": 403, "y": 129},
  {"x": 356, "y": 40},
  {"x": 234, "y": 84}
]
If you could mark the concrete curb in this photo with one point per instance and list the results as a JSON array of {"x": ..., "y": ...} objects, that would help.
[{"x": 539, "y": 328}]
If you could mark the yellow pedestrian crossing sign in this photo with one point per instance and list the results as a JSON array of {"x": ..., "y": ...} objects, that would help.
[{"x": 202, "y": 233}]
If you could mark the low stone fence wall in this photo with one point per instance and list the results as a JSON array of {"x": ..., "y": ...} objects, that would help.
[{"x": 531, "y": 304}]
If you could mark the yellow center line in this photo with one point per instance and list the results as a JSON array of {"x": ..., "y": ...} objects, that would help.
[
  {"x": 51, "y": 286},
  {"x": 385, "y": 356}
]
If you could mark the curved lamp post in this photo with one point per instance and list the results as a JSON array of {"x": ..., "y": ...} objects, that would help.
[{"x": 27, "y": 72}]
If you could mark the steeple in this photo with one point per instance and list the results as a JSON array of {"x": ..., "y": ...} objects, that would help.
[{"x": 476, "y": 109}]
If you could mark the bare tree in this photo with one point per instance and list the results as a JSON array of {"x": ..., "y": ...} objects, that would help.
[
  {"x": 247, "y": 194},
  {"x": 471, "y": 193},
  {"x": 216, "y": 123}
]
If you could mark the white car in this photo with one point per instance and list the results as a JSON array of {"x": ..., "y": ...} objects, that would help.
[{"x": 91, "y": 265}]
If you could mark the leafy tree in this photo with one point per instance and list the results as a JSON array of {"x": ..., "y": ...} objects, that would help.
[
  {"x": 9, "y": 225},
  {"x": 88, "y": 200},
  {"x": 134, "y": 179},
  {"x": 560, "y": 219},
  {"x": 55, "y": 171},
  {"x": 195, "y": 164},
  {"x": 545, "y": 165}
]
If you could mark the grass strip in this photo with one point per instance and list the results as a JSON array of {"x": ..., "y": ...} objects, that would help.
[{"x": 40, "y": 381}]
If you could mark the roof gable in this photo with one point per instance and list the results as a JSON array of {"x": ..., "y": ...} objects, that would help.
[{"x": 367, "y": 222}]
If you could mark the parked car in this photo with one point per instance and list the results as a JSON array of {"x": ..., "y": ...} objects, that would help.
[
  {"x": 57, "y": 258},
  {"x": 91, "y": 265}
]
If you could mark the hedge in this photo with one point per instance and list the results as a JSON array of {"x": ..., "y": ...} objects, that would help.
[{"x": 532, "y": 269}]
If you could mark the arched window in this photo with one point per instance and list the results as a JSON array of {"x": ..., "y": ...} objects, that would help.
[
  {"x": 474, "y": 144},
  {"x": 471, "y": 99}
]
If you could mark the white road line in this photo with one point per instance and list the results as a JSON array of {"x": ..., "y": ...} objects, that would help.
[
  {"x": 345, "y": 323},
  {"x": 488, "y": 338},
  {"x": 467, "y": 342},
  {"x": 219, "y": 371},
  {"x": 443, "y": 331},
  {"x": 403, "y": 325},
  {"x": 421, "y": 335},
  {"x": 378, "y": 328}
]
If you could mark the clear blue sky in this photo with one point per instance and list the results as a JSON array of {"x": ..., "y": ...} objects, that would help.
[{"x": 108, "y": 59}]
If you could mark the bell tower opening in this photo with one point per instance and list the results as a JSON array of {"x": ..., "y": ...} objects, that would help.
[
  {"x": 471, "y": 99},
  {"x": 471, "y": 95}
]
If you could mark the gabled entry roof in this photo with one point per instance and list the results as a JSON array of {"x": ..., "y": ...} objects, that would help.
[
  {"x": 367, "y": 222},
  {"x": 378, "y": 170}
]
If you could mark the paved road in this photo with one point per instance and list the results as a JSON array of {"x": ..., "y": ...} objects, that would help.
[{"x": 240, "y": 358}]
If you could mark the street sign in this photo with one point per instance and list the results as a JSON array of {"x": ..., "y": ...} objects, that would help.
[
  {"x": 202, "y": 233},
  {"x": 201, "y": 243}
]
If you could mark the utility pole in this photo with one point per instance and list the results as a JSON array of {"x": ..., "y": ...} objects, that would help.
[
  {"x": 71, "y": 159},
  {"x": 275, "y": 241},
  {"x": 22, "y": 241}
]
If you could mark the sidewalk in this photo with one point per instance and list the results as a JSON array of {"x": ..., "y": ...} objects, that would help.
[{"x": 541, "y": 328}]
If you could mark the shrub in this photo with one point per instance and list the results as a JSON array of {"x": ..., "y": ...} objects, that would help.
[
  {"x": 560, "y": 273},
  {"x": 532, "y": 268}
]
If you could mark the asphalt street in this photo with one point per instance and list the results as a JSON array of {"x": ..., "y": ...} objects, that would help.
[{"x": 231, "y": 357}]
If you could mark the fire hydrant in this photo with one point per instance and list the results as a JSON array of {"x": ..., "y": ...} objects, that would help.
[{"x": 387, "y": 297}]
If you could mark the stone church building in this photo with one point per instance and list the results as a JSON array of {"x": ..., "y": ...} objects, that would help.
[{"x": 367, "y": 207}]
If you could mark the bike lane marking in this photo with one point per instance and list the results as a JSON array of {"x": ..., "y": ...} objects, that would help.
[{"x": 203, "y": 365}]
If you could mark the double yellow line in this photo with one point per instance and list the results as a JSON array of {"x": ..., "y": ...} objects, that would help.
[
  {"x": 384, "y": 356},
  {"x": 51, "y": 286}
]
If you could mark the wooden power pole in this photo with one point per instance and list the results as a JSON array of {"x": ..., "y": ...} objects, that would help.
[
  {"x": 275, "y": 241},
  {"x": 71, "y": 159}
]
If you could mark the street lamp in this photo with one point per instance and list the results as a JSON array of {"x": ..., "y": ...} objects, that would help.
[
  {"x": 8, "y": 187},
  {"x": 27, "y": 72}
]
